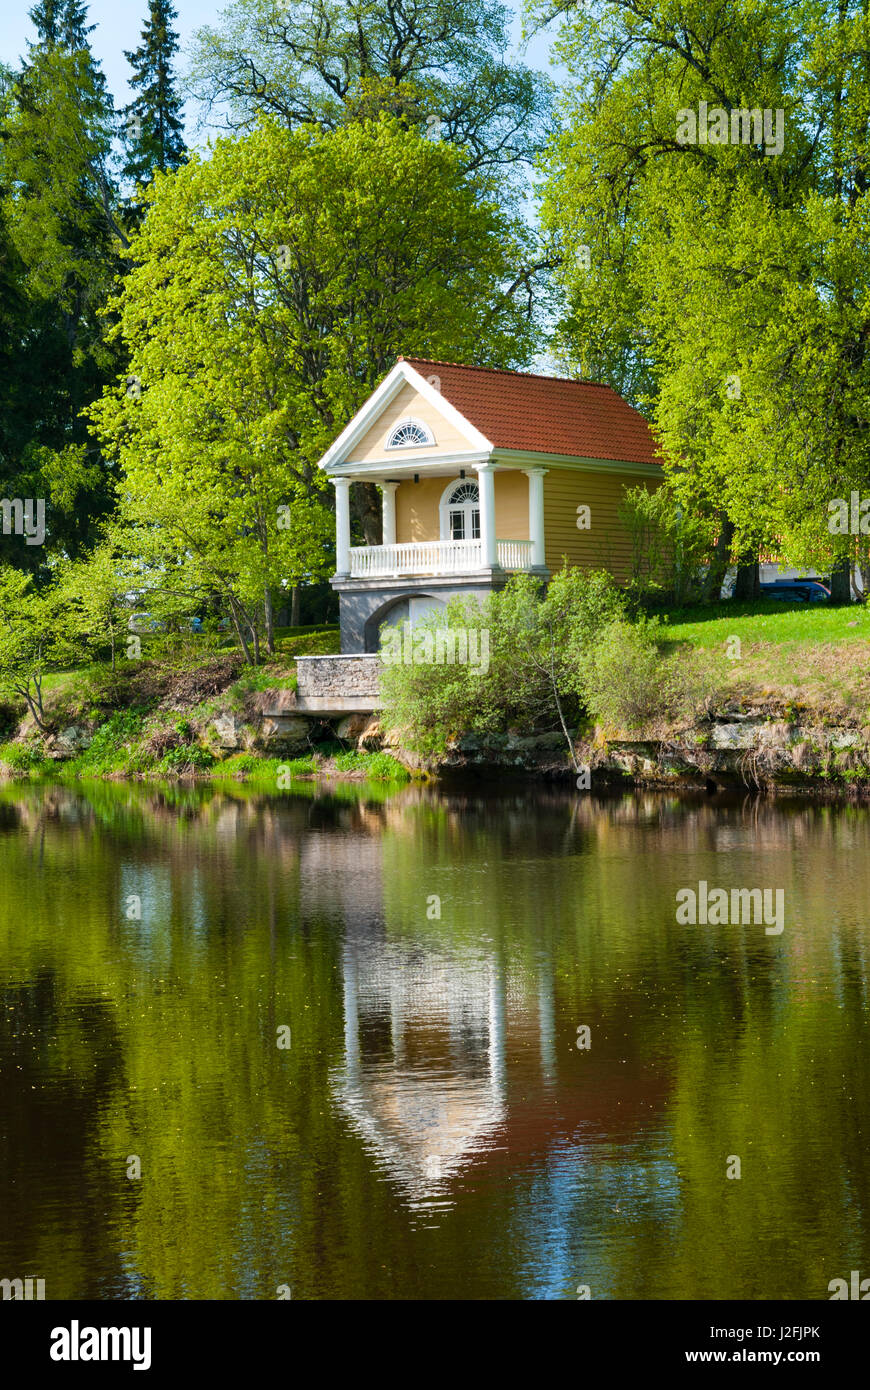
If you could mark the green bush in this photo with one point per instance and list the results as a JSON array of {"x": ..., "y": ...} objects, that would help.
[
  {"x": 380, "y": 767},
  {"x": 535, "y": 648},
  {"x": 112, "y": 744},
  {"x": 297, "y": 766},
  {"x": 188, "y": 757},
  {"x": 629, "y": 686},
  {"x": 669, "y": 548},
  {"x": 23, "y": 757},
  {"x": 239, "y": 762}
]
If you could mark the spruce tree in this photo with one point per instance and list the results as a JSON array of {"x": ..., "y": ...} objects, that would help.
[
  {"x": 46, "y": 17},
  {"x": 61, "y": 23},
  {"x": 64, "y": 219},
  {"x": 153, "y": 120}
]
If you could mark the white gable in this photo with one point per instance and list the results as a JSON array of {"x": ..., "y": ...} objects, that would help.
[{"x": 402, "y": 392}]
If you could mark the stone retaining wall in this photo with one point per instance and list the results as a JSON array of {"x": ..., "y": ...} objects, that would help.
[{"x": 337, "y": 683}]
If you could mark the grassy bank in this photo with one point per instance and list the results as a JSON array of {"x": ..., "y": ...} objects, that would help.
[
  {"x": 155, "y": 718},
  {"x": 160, "y": 717},
  {"x": 801, "y": 657}
]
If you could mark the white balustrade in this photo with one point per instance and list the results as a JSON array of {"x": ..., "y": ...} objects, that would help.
[
  {"x": 433, "y": 557},
  {"x": 514, "y": 555}
]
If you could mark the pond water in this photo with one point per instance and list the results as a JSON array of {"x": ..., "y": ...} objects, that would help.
[{"x": 429, "y": 1044}]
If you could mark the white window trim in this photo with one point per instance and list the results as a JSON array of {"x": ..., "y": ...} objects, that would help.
[
  {"x": 444, "y": 505},
  {"x": 418, "y": 424}
]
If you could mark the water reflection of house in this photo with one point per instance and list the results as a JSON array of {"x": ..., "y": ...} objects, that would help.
[
  {"x": 424, "y": 1074},
  {"x": 449, "y": 1064},
  {"x": 456, "y": 1056}
]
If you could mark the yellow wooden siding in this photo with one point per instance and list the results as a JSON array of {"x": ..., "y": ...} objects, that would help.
[
  {"x": 417, "y": 507},
  {"x": 606, "y": 544},
  {"x": 511, "y": 506},
  {"x": 408, "y": 403}
]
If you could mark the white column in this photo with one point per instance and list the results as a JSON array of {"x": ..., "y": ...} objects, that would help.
[
  {"x": 342, "y": 527},
  {"x": 486, "y": 487},
  {"x": 536, "y": 514},
  {"x": 388, "y": 512}
]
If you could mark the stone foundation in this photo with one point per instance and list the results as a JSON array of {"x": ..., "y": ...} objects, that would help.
[{"x": 338, "y": 684}]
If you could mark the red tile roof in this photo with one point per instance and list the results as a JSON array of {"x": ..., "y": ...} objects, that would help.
[{"x": 544, "y": 414}]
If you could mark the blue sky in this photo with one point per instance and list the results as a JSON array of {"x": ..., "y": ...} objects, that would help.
[{"x": 119, "y": 23}]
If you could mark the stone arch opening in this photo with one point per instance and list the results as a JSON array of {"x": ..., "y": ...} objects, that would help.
[{"x": 409, "y": 608}]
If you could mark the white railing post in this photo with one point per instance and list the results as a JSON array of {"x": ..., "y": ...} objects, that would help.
[
  {"x": 536, "y": 515},
  {"x": 342, "y": 527},
  {"x": 488, "y": 542}
]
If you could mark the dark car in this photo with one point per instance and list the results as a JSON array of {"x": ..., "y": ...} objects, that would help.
[{"x": 796, "y": 591}]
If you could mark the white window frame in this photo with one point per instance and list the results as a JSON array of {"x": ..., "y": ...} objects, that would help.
[
  {"x": 445, "y": 508},
  {"x": 418, "y": 444}
]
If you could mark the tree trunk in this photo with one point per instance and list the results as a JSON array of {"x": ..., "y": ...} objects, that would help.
[
  {"x": 718, "y": 566},
  {"x": 841, "y": 582},
  {"x": 295, "y": 606},
  {"x": 34, "y": 701},
  {"x": 270, "y": 621},
  {"x": 366, "y": 502},
  {"x": 746, "y": 587},
  {"x": 240, "y": 636}
]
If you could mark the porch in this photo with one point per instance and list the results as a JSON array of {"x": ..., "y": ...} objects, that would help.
[{"x": 443, "y": 523}]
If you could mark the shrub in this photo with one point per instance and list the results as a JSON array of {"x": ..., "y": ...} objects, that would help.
[
  {"x": 429, "y": 700},
  {"x": 380, "y": 767},
  {"x": 188, "y": 757},
  {"x": 668, "y": 547},
  {"x": 298, "y": 766},
  {"x": 630, "y": 686},
  {"x": 113, "y": 741},
  {"x": 536, "y": 647},
  {"x": 238, "y": 762},
  {"x": 22, "y": 757}
]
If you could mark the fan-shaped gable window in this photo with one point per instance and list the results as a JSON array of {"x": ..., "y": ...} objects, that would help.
[{"x": 409, "y": 434}]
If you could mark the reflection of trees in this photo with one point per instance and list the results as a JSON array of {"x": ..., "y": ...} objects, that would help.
[
  {"x": 61, "y": 1065},
  {"x": 706, "y": 1042}
]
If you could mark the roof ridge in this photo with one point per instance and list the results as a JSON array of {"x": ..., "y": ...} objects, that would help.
[{"x": 509, "y": 371}]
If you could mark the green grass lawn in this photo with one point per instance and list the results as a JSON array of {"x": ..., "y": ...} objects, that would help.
[
  {"x": 769, "y": 620},
  {"x": 308, "y": 641},
  {"x": 804, "y": 655}
]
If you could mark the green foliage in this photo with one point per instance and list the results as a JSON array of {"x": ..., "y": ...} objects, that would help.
[
  {"x": 331, "y": 61},
  {"x": 60, "y": 233},
  {"x": 23, "y": 757},
  {"x": 252, "y": 331},
  {"x": 237, "y": 764},
  {"x": 725, "y": 285},
  {"x": 113, "y": 743},
  {"x": 628, "y": 686},
  {"x": 35, "y": 638},
  {"x": 668, "y": 546},
  {"x": 261, "y": 678},
  {"x": 97, "y": 589},
  {"x": 429, "y": 703},
  {"x": 298, "y": 766},
  {"x": 308, "y": 641},
  {"x": 186, "y": 758},
  {"x": 536, "y": 648},
  {"x": 380, "y": 767},
  {"x": 61, "y": 23}
]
